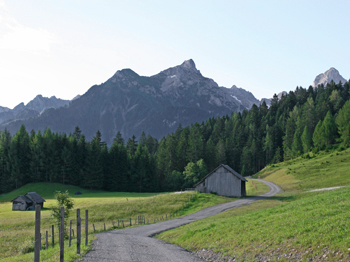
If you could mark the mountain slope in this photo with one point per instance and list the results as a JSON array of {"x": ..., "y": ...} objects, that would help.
[{"x": 130, "y": 103}]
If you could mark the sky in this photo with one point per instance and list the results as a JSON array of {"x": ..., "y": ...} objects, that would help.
[{"x": 61, "y": 48}]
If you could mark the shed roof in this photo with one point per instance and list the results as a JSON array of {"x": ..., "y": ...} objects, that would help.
[
  {"x": 23, "y": 198},
  {"x": 228, "y": 168},
  {"x": 35, "y": 197}
]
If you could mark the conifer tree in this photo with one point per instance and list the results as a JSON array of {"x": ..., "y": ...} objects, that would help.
[
  {"x": 297, "y": 147},
  {"x": 306, "y": 140},
  {"x": 318, "y": 136},
  {"x": 330, "y": 129},
  {"x": 343, "y": 122},
  {"x": 19, "y": 158}
]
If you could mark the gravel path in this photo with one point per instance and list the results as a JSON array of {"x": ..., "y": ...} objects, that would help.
[{"x": 135, "y": 244}]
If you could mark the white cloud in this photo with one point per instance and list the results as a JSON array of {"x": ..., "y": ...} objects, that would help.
[{"x": 17, "y": 37}]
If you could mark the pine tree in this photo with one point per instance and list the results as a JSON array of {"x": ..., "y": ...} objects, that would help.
[
  {"x": 306, "y": 140},
  {"x": 297, "y": 147},
  {"x": 118, "y": 139},
  {"x": 131, "y": 146},
  {"x": 195, "y": 150},
  {"x": 117, "y": 179},
  {"x": 94, "y": 170},
  {"x": 343, "y": 122},
  {"x": 330, "y": 129},
  {"x": 67, "y": 165},
  {"x": 318, "y": 136},
  {"x": 37, "y": 157},
  {"x": 19, "y": 158},
  {"x": 5, "y": 172}
]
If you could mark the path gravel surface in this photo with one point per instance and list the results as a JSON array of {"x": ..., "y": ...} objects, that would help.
[{"x": 136, "y": 244}]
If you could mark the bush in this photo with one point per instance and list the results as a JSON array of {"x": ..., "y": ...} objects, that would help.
[{"x": 64, "y": 200}]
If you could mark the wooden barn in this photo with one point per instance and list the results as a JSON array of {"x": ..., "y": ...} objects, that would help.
[
  {"x": 27, "y": 201},
  {"x": 223, "y": 181}
]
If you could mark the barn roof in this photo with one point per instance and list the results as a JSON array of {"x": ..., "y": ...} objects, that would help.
[
  {"x": 35, "y": 197},
  {"x": 228, "y": 169},
  {"x": 23, "y": 198}
]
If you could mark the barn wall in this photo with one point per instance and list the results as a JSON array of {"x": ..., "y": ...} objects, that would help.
[
  {"x": 19, "y": 206},
  {"x": 200, "y": 188},
  {"x": 223, "y": 183}
]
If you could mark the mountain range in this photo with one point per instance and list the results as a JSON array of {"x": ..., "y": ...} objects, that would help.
[
  {"x": 132, "y": 104},
  {"x": 33, "y": 109}
]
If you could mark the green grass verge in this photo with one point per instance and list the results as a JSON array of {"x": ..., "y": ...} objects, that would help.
[{"x": 256, "y": 188}]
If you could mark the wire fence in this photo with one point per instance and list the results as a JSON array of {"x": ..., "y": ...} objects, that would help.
[{"x": 51, "y": 237}]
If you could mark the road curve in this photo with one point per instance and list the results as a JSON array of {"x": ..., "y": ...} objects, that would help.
[{"x": 136, "y": 244}]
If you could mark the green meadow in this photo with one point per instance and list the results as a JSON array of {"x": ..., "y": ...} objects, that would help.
[
  {"x": 296, "y": 225},
  {"x": 17, "y": 227}
]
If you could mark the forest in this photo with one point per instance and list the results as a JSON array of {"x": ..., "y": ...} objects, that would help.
[{"x": 299, "y": 122}]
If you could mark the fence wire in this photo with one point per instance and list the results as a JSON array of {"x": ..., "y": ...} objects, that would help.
[{"x": 116, "y": 223}]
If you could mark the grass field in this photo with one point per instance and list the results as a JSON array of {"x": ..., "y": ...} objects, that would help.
[
  {"x": 17, "y": 227},
  {"x": 293, "y": 226}
]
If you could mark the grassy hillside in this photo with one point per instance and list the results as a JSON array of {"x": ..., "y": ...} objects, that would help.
[
  {"x": 325, "y": 169},
  {"x": 295, "y": 225}
]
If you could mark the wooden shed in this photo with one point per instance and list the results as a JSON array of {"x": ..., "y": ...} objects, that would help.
[
  {"x": 223, "y": 181},
  {"x": 27, "y": 201},
  {"x": 21, "y": 203}
]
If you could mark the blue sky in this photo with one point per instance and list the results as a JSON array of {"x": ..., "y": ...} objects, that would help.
[{"x": 62, "y": 48}]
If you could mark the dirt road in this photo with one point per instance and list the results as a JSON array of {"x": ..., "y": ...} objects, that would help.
[{"x": 136, "y": 244}]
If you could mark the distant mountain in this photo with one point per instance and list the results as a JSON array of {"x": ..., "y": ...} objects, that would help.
[
  {"x": 331, "y": 74},
  {"x": 130, "y": 103},
  {"x": 40, "y": 103},
  {"x": 4, "y": 109},
  {"x": 245, "y": 98},
  {"x": 33, "y": 109}
]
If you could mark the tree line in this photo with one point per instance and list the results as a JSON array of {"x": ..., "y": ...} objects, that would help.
[{"x": 301, "y": 121}]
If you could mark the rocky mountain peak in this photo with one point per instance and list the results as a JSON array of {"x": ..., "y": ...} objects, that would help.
[
  {"x": 189, "y": 64},
  {"x": 123, "y": 75},
  {"x": 328, "y": 76}
]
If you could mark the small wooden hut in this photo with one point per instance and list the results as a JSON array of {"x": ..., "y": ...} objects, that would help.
[
  {"x": 223, "y": 181},
  {"x": 21, "y": 203},
  {"x": 27, "y": 201},
  {"x": 36, "y": 198}
]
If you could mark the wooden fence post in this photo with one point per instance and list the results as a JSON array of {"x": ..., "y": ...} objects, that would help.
[
  {"x": 86, "y": 227},
  {"x": 70, "y": 232},
  {"x": 130, "y": 222},
  {"x": 53, "y": 235},
  {"x": 62, "y": 236},
  {"x": 104, "y": 226},
  {"x": 37, "y": 234},
  {"x": 93, "y": 225},
  {"x": 78, "y": 231},
  {"x": 46, "y": 240}
]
